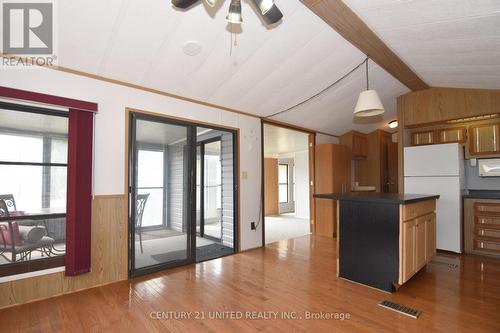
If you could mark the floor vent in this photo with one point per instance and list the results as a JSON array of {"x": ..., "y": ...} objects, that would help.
[
  {"x": 450, "y": 265},
  {"x": 400, "y": 308}
]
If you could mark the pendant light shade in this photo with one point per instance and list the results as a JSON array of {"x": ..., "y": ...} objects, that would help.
[
  {"x": 369, "y": 104},
  {"x": 234, "y": 15},
  {"x": 211, "y": 3}
]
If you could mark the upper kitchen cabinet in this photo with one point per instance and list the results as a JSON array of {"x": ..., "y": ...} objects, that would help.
[
  {"x": 420, "y": 138},
  {"x": 452, "y": 135},
  {"x": 484, "y": 139},
  {"x": 436, "y": 105},
  {"x": 358, "y": 142},
  {"x": 379, "y": 169}
]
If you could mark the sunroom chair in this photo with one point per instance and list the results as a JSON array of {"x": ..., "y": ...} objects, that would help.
[
  {"x": 17, "y": 242},
  {"x": 12, "y": 208},
  {"x": 140, "y": 205}
]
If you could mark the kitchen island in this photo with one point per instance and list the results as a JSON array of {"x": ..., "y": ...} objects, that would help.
[{"x": 383, "y": 239}]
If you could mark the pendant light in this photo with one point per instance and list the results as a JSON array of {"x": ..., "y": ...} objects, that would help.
[
  {"x": 234, "y": 15},
  {"x": 369, "y": 103},
  {"x": 211, "y": 3}
]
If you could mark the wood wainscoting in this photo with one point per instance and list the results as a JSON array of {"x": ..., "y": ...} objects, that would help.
[{"x": 109, "y": 258}]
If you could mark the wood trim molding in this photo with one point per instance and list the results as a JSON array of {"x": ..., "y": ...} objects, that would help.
[
  {"x": 158, "y": 92},
  {"x": 295, "y": 127},
  {"x": 343, "y": 20},
  {"x": 109, "y": 196}
]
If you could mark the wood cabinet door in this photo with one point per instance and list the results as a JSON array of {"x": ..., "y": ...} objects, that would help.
[
  {"x": 323, "y": 166},
  {"x": 409, "y": 249},
  {"x": 325, "y": 217},
  {"x": 359, "y": 145},
  {"x": 423, "y": 138},
  {"x": 430, "y": 236},
  {"x": 450, "y": 135},
  {"x": 484, "y": 139},
  {"x": 420, "y": 245}
]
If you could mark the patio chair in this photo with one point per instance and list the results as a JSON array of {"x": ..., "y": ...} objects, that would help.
[
  {"x": 22, "y": 240},
  {"x": 140, "y": 204},
  {"x": 12, "y": 208}
]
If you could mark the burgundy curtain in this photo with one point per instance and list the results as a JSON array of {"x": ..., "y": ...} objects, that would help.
[{"x": 79, "y": 196}]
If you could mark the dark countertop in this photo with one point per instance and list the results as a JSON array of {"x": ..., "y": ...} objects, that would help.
[
  {"x": 482, "y": 194},
  {"x": 378, "y": 197}
]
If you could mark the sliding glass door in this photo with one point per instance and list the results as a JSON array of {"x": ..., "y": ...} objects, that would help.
[
  {"x": 182, "y": 193},
  {"x": 160, "y": 191}
]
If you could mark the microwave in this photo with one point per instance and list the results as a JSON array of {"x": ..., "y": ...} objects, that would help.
[{"x": 489, "y": 167}]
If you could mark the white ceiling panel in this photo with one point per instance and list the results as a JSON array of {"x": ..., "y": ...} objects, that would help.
[
  {"x": 84, "y": 32},
  {"x": 279, "y": 140},
  {"x": 269, "y": 70},
  {"x": 449, "y": 43}
]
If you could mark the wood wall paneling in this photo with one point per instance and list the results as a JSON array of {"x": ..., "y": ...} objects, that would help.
[
  {"x": 109, "y": 258},
  {"x": 437, "y": 105},
  {"x": 271, "y": 187}
]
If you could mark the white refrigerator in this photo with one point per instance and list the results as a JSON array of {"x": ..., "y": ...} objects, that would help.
[{"x": 439, "y": 169}]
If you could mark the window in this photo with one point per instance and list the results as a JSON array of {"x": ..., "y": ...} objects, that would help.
[
  {"x": 33, "y": 178},
  {"x": 150, "y": 180},
  {"x": 283, "y": 182}
]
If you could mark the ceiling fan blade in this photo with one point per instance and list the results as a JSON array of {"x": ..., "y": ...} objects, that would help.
[
  {"x": 184, "y": 3},
  {"x": 273, "y": 15}
]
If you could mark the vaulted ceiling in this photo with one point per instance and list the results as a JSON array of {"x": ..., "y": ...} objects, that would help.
[
  {"x": 449, "y": 43},
  {"x": 273, "y": 68}
]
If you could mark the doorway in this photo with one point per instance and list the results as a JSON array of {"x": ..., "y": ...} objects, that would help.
[
  {"x": 182, "y": 193},
  {"x": 287, "y": 183}
]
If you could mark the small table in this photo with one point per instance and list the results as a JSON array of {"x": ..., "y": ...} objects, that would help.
[
  {"x": 35, "y": 215},
  {"x": 43, "y": 215}
]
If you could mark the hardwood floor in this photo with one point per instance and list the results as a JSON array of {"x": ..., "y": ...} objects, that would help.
[{"x": 297, "y": 275}]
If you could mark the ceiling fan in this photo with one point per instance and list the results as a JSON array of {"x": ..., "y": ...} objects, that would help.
[{"x": 269, "y": 11}]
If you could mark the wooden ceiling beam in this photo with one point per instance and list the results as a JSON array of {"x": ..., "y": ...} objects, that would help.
[{"x": 343, "y": 20}]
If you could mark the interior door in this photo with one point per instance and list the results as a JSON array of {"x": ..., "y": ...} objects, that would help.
[{"x": 161, "y": 184}]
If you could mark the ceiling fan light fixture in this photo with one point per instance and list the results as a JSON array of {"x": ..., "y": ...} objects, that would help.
[
  {"x": 265, "y": 5},
  {"x": 211, "y": 3},
  {"x": 234, "y": 15}
]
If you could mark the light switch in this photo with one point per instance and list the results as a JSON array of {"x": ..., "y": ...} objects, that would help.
[{"x": 244, "y": 175}]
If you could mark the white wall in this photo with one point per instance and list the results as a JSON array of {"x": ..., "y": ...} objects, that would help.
[
  {"x": 302, "y": 184},
  {"x": 110, "y": 132}
]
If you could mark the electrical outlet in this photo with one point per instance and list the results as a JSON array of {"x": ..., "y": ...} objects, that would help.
[{"x": 252, "y": 226}]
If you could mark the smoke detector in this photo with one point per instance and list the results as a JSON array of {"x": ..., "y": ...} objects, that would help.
[{"x": 192, "y": 48}]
